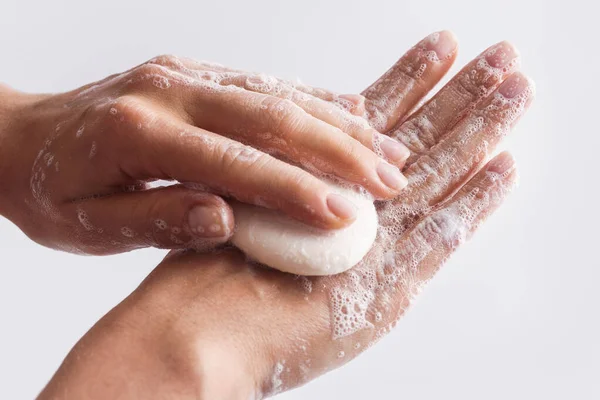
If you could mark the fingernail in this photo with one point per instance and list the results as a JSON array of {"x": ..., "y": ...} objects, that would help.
[
  {"x": 501, "y": 55},
  {"x": 443, "y": 43},
  {"x": 501, "y": 163},
  {"x": 355, "y": 99},
  {"x": 391, "y": 176},
  {"x": 354, "y": 103},
  {"x": 341, "y": 207},
  {"x": 394, "y": 150},
  {"x": 206, "y": 221},
  {"x": 513, "y": 85}
]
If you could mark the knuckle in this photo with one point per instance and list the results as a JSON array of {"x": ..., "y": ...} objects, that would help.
[
  {"x": 120, "y": 114},
  {"x": 489, "y": 118},
  {"x": 418, "y": 134},
  {"x": 358, "y": 128},
  {"x": 150, "y": 75},
  {"x": 428, "y": 172},
  {"x": 411, "y": 71},
  {"x": 166, "y": 60},
  {"x": 127, "y": 107},
  {"x": 238, "y": 157},
  {"x": 352, "y": 154},
  {"x": 469, "y": 86},
  {"x": 442, "y": 228},
  {"x": 303, "y": 181},
  {"x": 353, "y": 161},
  {"x": 299, "y": 184},
  {"x": 476, "y": 80},
  {"x": 265, "y": 84},
  {"x": 283, "y": 114},
  {"x": 149, "y": 69}
]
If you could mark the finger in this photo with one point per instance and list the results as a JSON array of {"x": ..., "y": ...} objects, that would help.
[
  {"x": 153, "y": 145},
  {"x": 279, "y": 126},
  {"x": 326, "y": 111},
  {"x": 351, "y": 103},
  {"x": 270, "y": 124},
  {"x": 436, "y": 175},
  {"x": 436, "y": 236},
  {"x": 409, "y": 80},
  {"x": 477, "y": 80},
  {"x": 170, "y": 149},
  {"x": 162, "y": 71},
  {"x": 168, "y": 217}
]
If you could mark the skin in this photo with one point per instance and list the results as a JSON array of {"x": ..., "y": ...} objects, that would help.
[
  {"x": 217, "y": 326},
  {"x": 76, "y": 166}
]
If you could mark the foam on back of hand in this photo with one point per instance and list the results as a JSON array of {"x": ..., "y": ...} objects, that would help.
[{"x": 283, "y": 243}]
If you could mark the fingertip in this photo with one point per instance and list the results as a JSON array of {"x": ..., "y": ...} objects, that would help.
[
  {"x": 391, "y": 177},
  {"x": 342, "y": 208},
  {"x": 443, "y": 43},
  {"x": 503, "y": 55},
  {"x": 501, "y": 163},
  {"x": 210, "y": 217},
  {"x": 449, "y": 34},
  {"x": 394, "y": 151}
]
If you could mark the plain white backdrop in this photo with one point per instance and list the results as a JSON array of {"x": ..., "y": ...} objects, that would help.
[{"x": 514, "y": 314}]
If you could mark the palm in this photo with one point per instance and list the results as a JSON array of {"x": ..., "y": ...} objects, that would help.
[{"x": 441, "y": 207}]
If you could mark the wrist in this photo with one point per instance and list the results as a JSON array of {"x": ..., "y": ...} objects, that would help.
[
  {"x": 138, "y": 351},
  {"x": 212, "y": 364},
  {"x": 201, "y": 356}
]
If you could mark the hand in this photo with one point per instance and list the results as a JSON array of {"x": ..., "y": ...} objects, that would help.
[
  {"x": 75, "y": 167},
  {"x": 216, "y": 326}
]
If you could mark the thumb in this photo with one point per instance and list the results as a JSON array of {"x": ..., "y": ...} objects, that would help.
[{"x": 171, "y": 217}]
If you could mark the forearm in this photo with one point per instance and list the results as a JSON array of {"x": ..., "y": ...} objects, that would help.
[{"x": 138, "y": 350}]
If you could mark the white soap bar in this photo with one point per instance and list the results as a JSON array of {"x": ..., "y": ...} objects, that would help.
[{"x": 285, "y": 244}]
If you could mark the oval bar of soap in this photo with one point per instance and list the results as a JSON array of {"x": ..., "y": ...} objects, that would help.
[{"x": 288, "y": 245}]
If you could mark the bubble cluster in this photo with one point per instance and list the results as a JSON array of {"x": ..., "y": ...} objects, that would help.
[
  {"x": 93, "y": 150},
  {"x": 37, "y": 181},
  {"x": 420, "y": 71},
  {"x": 175, "y": 239},
  {"x": 127, "y": 232},
  {"x": 343, "y": 103},
  {"x": 388, "y": 269},
  {"x": 84, "y": 220},
  {"x": 417, "y": 133},
  {"x": 276, "y": 379},
  {"x": 349, "y": 310},
  {"x": 160, "y": 224},
  {"x": 161, "y": 82},
  {"x": 261, "y": 83},
  {"x": 306, "y": 284},
  {"x": 80, "y": 131}
]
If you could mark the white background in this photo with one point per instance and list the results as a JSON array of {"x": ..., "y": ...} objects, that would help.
[{"x": 514, "y": 314}]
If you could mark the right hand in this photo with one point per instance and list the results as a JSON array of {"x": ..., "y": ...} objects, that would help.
[{"x": 75, "y": 166}]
